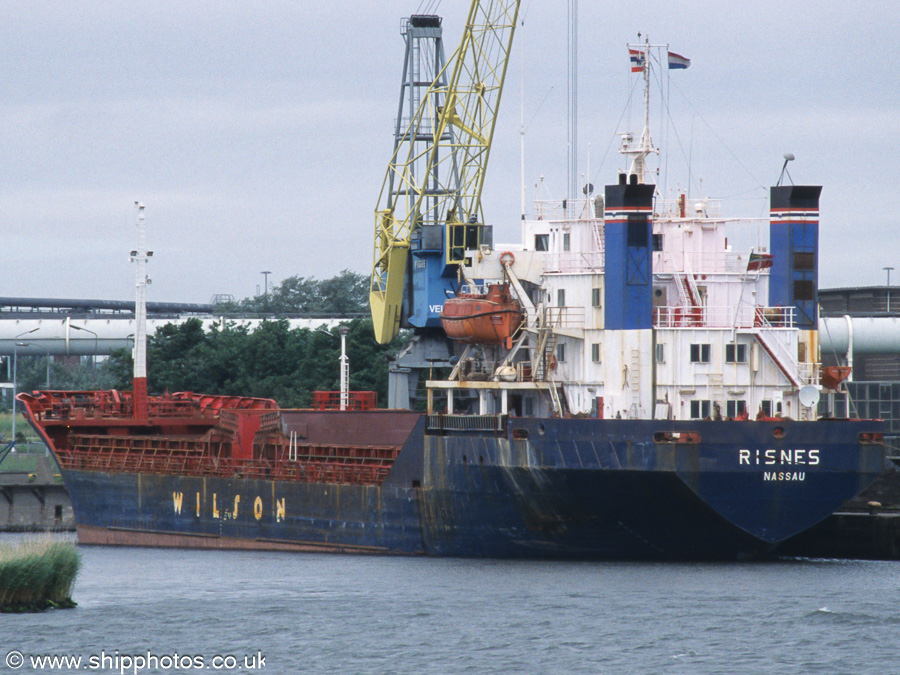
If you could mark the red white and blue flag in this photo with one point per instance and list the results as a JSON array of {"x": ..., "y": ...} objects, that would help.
[
  {"x": 759, "y": 261},
  {"x": 637, "y": 60},
  {"x": 677, "y": 61}
]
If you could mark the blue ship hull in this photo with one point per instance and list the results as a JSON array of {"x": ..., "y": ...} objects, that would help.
[{"x": 540, "y": 488}]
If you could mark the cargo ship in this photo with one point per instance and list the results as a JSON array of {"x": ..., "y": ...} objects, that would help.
[
  {"x": 624, "y": 386},
  {"x": 222, "y": 472}
]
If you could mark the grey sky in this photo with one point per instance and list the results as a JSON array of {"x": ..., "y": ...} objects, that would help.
[{"x": 257, "y": 133}]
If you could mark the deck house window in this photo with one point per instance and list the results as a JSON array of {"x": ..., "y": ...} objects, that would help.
[
  {"x": 735, "y": 353},
  {"x": 735, "y": 407},
  {"x": 700, "y": 409},
  {"x": 700, "y": 353}
]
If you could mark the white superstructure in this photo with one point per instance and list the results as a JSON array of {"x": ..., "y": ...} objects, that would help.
[{"x": 679, "y": 326}]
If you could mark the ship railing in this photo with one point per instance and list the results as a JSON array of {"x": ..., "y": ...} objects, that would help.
[
  {"x": 76, "y": 405},
  {"x": 331, "y": 470},
  {"x": 100, "y": 404},
  {"x": 694, "y": 209},
  {"x": 564, "y": 209},
  {"x": 745, "y": 316},
  {"x": 567, "y": 316},
  {"x": 773, "y": 317},
  {"x": 703, "y": 262},
  {"x": 442, "y": 423},
  {"x": 177, "y": 408},
  {"x": 572, "y": 262},
  {"x": 168, "y": 462},
  {"x": 355, "y": 400},
  {"x": 166, "y": 455},
  {"x": 382, "y": 455},
  {"x": 810, "y": 373},
  {"x": 476, "y": 289}
]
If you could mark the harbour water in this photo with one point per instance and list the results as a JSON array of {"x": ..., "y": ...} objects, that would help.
[{"x": 291, "y": 613}]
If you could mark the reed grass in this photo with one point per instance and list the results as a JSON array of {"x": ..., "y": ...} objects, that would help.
[{"x": 37, "y": 574}]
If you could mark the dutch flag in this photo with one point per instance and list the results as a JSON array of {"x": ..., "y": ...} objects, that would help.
[{"x": 676, "y": 61}]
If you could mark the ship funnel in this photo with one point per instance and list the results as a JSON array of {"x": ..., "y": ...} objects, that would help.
[
  {"x": 627, "y": 233},
  {"x": 794, "y": 245}
]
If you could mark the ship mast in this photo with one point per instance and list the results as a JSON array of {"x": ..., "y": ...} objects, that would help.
[
  {"x": 140, "y": 256},
  {"x": 637, "y": 153}
]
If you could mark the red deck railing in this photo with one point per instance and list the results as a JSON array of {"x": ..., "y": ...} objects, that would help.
[
  {"x": 113, "y": 404},
  {"x": 356, "y": 400},
  {"x": 193, "y": 435},
  {"x": 355, "y": 465}
]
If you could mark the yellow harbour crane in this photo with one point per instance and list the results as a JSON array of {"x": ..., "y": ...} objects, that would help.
[{"x": 430, "y": 199}]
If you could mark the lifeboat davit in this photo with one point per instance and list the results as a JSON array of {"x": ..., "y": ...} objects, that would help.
[{"x": 483, "y": 318}]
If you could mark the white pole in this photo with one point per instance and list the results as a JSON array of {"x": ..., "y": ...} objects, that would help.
[
  {"x": 522, "y": 125},
  {"x": 140, "y": 306},
  {"x": 345, "y": 369},
  {"x": 140, "y": 256}
]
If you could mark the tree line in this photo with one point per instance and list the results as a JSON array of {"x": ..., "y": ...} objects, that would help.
[
  {"x": 272, "y": 361},
  {"x": 344, "y": 295}
]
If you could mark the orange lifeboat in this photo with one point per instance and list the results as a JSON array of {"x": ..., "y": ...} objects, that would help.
[
  {"x": 488, "y": 318},
  {"x": 832, "y": 376}
]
